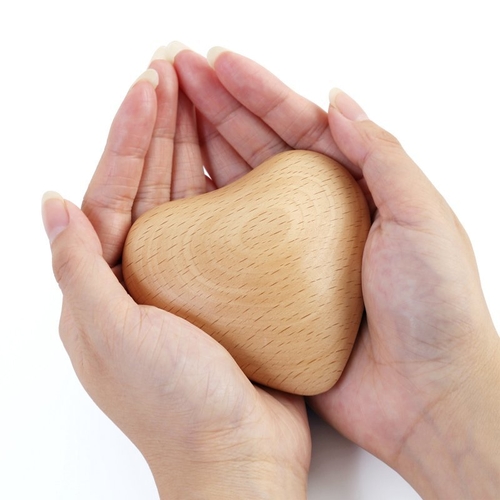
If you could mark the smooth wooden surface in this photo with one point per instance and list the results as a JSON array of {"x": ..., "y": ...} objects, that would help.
[{"x": 269, "y": 266}]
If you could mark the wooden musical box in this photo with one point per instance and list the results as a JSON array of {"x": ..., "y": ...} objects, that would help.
[{"x": 269, "y": 266}]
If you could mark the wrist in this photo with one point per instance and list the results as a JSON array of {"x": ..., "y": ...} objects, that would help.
[
  {"x": 230, "y": 479},
  {"x": 213, "y": 470},
  {"x": 453, "y": 450}
]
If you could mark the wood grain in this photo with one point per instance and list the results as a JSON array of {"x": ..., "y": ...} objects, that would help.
[{"x": 269, "y": 266}]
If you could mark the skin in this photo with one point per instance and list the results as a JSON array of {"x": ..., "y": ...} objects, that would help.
[
  {"x": 421, "y": 388},
  {"x": 204, "y": 429}
]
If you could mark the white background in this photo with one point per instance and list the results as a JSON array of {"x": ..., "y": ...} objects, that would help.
[{"x": 428, "y": 71}]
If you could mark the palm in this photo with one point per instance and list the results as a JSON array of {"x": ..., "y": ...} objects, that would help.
[
  {"x": 152, "y": 156},
  {"x": 416, "y": 327},
  {"x": 396, "y": 371}
]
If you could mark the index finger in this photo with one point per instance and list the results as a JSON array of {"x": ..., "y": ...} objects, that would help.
[{"x": 112, "y": 191}]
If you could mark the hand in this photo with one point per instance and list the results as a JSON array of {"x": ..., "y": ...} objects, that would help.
[
  {"x": 426, "y": 363},
  {"x": 204, "y": 429},
  {"x": 421, "y": 388}
]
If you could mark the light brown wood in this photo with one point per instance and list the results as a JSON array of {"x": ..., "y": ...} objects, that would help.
[{"x": 269, "y": 266}]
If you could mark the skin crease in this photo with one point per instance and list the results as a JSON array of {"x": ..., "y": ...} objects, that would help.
[
  {"x": 204, "y": 429},
  {"x": 420, "y": 389}
]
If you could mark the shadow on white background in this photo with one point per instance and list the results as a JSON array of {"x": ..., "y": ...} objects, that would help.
[{"x": 340, "y": 470}]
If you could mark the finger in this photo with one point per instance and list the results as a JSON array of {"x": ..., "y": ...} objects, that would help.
[
  {"x": 248, "y": 134},
  {"x": 155, "y": 184},
  {"x": 209, "y": 184},
  {"x": 299, "y": 122},
  {"x": 188, "y": 177},
  {"x": 110, "y": 196},
  {"x": 90, "y": 288},
  {"x": 220, "y": 159},
  {"x": 400, "y": 190}
]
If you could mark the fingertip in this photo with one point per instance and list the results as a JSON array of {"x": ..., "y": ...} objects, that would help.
[
  {"x": 51, "y": 195},
  {"x": 150, "y": 75},
  {"x": 332, "y": 95},
  {"x": 346, "y": 105},
  {"x": 214, "y": 53},
  {"x": 161, "y": 54},
  {"x": 55, "y": 214},
  {"x": 171, "y": 51}
]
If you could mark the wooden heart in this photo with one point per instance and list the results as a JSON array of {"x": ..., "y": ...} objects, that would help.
[{"x": 269, "y": 266}]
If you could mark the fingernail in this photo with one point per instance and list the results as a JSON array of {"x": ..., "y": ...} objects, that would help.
[
  {"x": 54, "y": 214},
  {"x": 150, "y": 75},
  {"x": 172, "y": 49},
  {"x": 346, "y": 105},
  {"x": 160, "y": 53},
  {"x": 213, "y": 54}
]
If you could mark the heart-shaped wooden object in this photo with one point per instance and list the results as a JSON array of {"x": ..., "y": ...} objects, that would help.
[{"x": 269, "y": 266}]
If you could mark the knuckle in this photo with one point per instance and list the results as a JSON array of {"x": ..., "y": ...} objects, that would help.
[
  {"x": 381, "y": 138},
  {"x": 379, "y": 142},
  {"x": 60, "y": 266},
  {"x": 67, "y": 266}
]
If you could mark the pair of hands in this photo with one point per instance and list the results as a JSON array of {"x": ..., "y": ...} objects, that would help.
[{"x": 426, "y": 357}]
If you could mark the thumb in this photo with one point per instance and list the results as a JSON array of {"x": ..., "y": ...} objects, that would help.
[
  {"x": 88, "y": 284},
  {"x": 400, "y": 190}
]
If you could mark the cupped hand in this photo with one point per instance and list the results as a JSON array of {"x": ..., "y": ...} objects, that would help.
[
  {"x": 176, "y": 393},
  {"x": 421, "y": 388}
]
